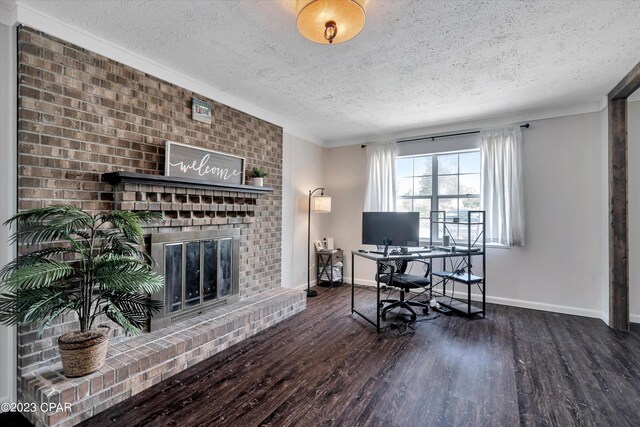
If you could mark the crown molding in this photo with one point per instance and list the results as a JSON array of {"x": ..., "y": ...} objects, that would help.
[
  {"x": 33, "y": 18},
  {"x": 472, "y": 123}
]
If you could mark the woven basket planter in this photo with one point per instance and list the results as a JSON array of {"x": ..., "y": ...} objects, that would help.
[{"x": 83, "y": 352}]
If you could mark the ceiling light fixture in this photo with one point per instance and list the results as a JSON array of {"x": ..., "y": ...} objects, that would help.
[{"x": 330, "y": 21}]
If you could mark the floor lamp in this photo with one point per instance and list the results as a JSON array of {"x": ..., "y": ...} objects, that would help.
[{"x": 321, "y": 204}]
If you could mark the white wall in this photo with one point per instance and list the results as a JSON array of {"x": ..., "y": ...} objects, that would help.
[
  {"x": 346, "y": 177},
  {"x": 7, "y": 195},
  {"x": 633, "y": 117},
  {"x": 604, "y": 212},
  {"x": 456, "y": 143},
  {"x": 560, "y": 269},
  {"x": 304, "y": 169}
]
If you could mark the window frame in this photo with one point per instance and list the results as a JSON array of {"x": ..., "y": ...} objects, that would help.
[{"x": 435, "y": 193}]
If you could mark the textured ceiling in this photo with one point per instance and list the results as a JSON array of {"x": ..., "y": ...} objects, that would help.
[{"x": 416, "y": 63}]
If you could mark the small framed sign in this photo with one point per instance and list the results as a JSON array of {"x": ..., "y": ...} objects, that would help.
[
  {"x": 191, "y": 162},
  {"x": 201, "y": 111}
]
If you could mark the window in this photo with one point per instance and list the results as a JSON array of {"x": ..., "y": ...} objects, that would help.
[{"x": 447, "y": 182}]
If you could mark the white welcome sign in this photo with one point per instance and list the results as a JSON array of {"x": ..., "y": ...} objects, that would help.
[{"x": 186, "y": 161}]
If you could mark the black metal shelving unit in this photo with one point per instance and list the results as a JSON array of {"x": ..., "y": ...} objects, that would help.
[{"x": 462, "y": 260}]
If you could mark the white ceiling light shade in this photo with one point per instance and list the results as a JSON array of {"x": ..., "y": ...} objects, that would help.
[{"x": 330, "y": 21}]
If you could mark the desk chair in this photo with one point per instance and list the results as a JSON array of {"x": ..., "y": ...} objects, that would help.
[{"x": 395, "y": 276}]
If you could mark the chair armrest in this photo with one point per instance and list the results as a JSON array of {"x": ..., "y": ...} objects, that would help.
[
  {"x": 428, "y": 264},
  {"x": 388, "y": 271}
]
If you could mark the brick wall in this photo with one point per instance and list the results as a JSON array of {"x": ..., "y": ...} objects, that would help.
[{"x": 81, "y": 115}]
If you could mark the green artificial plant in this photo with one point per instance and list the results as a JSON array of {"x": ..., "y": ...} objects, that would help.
[
  {"x": 258, "y": 172},
  {"x": 88, "y": 264}
]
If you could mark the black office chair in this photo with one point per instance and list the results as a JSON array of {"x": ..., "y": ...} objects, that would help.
[{"x": 396, "y": 276}]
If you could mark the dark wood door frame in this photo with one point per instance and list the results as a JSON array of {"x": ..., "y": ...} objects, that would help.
[{"x": 618, "y": 214}]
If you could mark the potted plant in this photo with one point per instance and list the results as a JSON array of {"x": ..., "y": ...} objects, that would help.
[
  {"x": 82, "y": 263},
  {"x": 258, "y": 174}
]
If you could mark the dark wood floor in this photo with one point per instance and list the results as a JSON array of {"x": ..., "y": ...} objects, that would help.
[{"x": 325, "y": 367}]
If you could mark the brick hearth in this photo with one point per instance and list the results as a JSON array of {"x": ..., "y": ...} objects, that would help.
[{"x": 136, "y": 364}]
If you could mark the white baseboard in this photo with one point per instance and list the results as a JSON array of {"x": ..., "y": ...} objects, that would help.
[
  {"x": 365, "y": 282},
  {"x": 534, "y": 305},
  {"x": 555, "y": 308},
  {"x": 633, "y": 318},
  {"x": 604, "y": 317},
  {"x": 302, "y": 286}
]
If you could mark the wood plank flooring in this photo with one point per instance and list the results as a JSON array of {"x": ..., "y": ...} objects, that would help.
[{"x": 325, "y": 367}]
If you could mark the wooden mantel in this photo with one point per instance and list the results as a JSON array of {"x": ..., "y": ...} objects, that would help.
[{"x": 115, "y": 178}]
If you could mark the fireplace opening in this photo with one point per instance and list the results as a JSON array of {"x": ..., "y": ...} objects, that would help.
[{"x": 201, "y": 271}]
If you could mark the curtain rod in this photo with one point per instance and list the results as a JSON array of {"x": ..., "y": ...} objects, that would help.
[{"x": 433, "y": 138}]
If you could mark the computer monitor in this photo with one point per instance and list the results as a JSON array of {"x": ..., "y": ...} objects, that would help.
[{"x": 391, "y": 229}]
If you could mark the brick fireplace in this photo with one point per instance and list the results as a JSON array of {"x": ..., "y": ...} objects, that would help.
[{"x": 82, "y": 119}]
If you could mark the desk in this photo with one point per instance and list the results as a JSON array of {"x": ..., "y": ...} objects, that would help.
[{"x": 444, "y": 276}]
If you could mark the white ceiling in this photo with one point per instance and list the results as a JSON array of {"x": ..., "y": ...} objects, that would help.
[{"x": 415, "y": 64}]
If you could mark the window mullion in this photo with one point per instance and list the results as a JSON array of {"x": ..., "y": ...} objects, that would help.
[{"x": 434, "y": 193}]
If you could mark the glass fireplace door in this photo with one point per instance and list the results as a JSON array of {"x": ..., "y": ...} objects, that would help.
[{"x": 197, "y": 272}]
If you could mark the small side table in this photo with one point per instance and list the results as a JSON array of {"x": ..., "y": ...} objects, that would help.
[{"x": 328, "y": 271}]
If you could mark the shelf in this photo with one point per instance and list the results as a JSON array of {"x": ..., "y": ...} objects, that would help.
[
  {"x": 459, "y": 277},
  {"x": 472, "y": 224},
  {"x": 461, "y": 307},
  {"x": 330, "y": 267},
  {"x": 115, "y": 178}
]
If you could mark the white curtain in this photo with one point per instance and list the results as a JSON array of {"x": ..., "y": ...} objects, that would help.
[
  {"x": 502, "y": 194},
  {"x": 380, "y": 195}
]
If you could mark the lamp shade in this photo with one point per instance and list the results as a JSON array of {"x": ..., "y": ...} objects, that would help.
[
  {"x": 321, "y": 204},
  {"x": 330, "y": 21}
]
